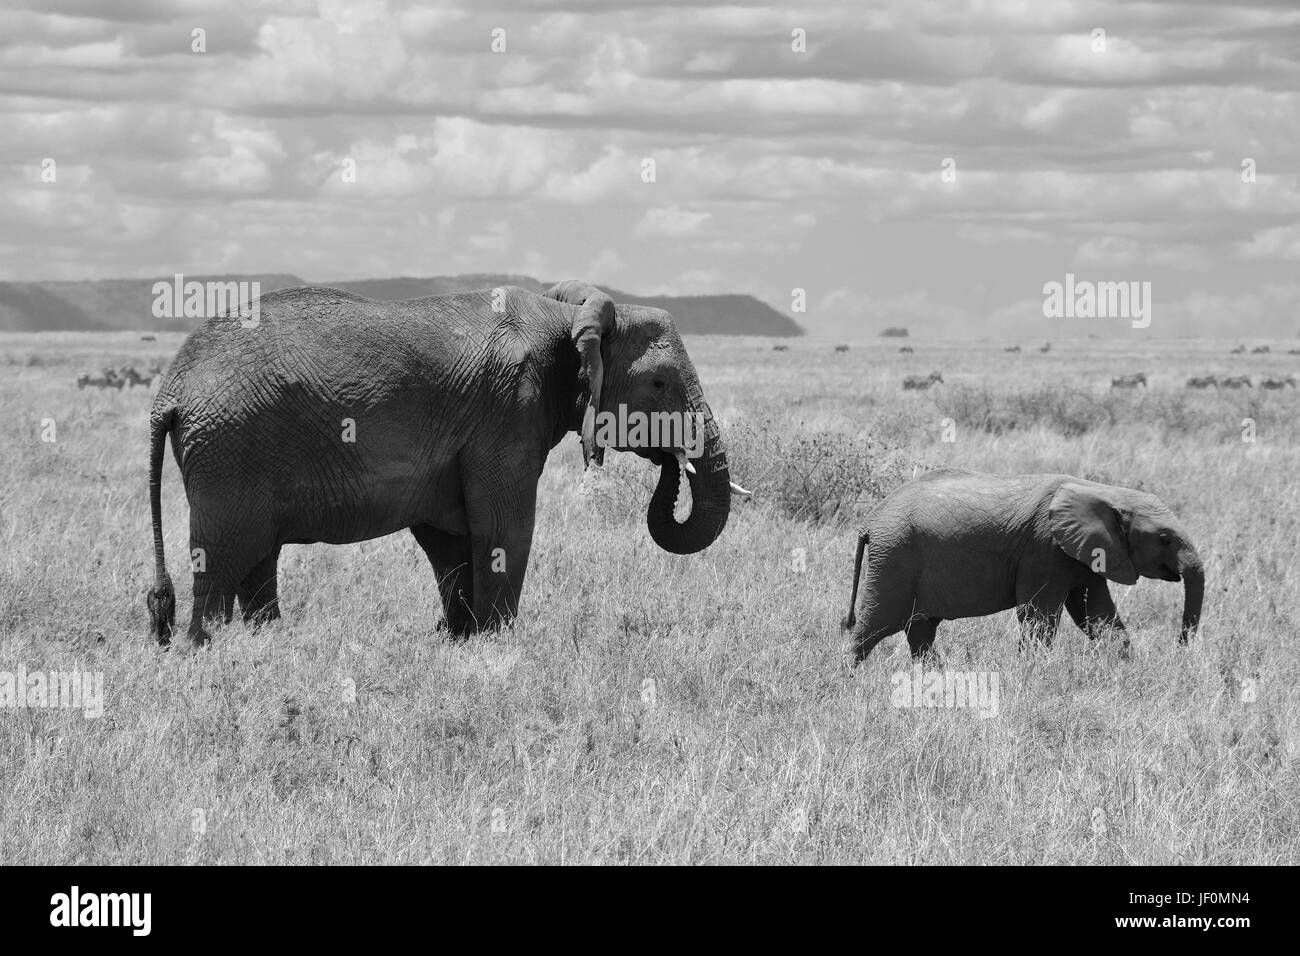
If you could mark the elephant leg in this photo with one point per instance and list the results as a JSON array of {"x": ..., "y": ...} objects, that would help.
[
  {"x": 501, "y": 538},
  {"x": 259, "y": 599},
  {"x": 214, "y": 599},
  {"x": 500, "y": 561},
  {"x": 1038, "y": 609},
  {"x": 1093, "y": 610},
  {"x": 882, "y": 611},
  {"x": 222, "y": 555},
  {"x": 920, "y": 636},
  {"x": 449, "y": 554},
  {"x": 1038, "y": 623}
]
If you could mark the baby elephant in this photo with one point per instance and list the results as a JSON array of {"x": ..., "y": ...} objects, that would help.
[{"x": 957, "y": 543}]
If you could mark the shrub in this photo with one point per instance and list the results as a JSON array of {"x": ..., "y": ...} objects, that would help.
[{"x": 817, "y": 476}]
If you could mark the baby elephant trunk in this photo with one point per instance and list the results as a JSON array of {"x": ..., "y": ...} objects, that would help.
[{"x": 1193, "y": 574}]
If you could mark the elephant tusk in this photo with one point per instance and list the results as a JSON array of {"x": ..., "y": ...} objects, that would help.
[
  {"x": 684, "y": 504},
  {"x": 739, "y": 490},
  {"x": 690, "y": 469}
]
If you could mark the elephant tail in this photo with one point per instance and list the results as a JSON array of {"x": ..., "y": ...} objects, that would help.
[
  {"x": 863, "y": 539},
  {"x": 162, "y": 596}
]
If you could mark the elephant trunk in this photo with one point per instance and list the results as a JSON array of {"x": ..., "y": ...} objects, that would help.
[
  {"x": 1193, "y": 574},
  {"x": 710, "y": 489}
]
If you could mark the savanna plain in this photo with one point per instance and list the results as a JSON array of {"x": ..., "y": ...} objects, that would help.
[{"x": 652, "y": 708}]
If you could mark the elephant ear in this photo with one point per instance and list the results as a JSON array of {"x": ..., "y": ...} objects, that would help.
[
  {"x": 593, "y": 323},
  {"x": 1090, "y": 528}
]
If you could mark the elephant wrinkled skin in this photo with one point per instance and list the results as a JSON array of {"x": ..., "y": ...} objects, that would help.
[
  {"x": 954, "y": 544},
  {"x": 337, "y": 419}
]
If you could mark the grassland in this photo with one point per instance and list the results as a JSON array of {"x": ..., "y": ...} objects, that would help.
[{"x": 649, "y": 708}]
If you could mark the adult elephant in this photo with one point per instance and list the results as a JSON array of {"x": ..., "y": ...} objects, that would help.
[
  {"x": 336, "y": 419},
  {"x": 955, "y": 543}
]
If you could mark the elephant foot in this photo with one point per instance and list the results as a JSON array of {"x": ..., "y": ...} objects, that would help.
[
  {"x": 456, "y": 632},
  {"x": 199, "y": 637},
  {"x": 264, "y": 615}
]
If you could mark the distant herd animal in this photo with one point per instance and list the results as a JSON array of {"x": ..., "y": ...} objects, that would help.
[
  {"x": 120, "y": 378},
  {"x": 921, "y": 382},
  {"x": 1118, "y": 382},
  {"x": 107, "y": 379},
  {"x": 1271, "y": 383},
  {"x": 1129, "y": 381}
]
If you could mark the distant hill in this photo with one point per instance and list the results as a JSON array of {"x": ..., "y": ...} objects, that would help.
[{"x": 127, "y": 304}]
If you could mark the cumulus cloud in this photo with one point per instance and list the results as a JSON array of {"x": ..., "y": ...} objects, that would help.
[{"x": 312, "y": 129}]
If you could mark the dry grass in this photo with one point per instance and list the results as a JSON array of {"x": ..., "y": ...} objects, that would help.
[{"x": 754, "y": 741}]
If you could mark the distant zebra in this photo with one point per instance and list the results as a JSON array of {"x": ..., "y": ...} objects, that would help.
[
  {"x": 134, "y": 378},
  {"x": 1130, "y": 381},
  {"x": 1293, "y": 351},
  {"x": 1239, "y": 350},
  {"x": 109, "y": 379},
  {"x": 1012, "y": 348},
  {"x": 148, "y": 338},
  {"x": 1235, "y": 381},
  {"x": 913, "y": 382},
  {"x": 841, "y": 348},
  {"x": 1260, "y": 350},
  {"x": 1275, "y": 383},
  {"x": 1047, "y": 347},
  {"x": 905, "y": 350},
  {"x": 780, "y": 348},
  {"x": 1206, "y": 381}
]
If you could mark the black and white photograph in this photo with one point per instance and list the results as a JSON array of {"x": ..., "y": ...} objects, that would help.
[{"x": 578, "y": 433}]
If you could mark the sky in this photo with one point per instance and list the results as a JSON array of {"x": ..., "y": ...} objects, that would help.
[{"x": 920, "y": 163}]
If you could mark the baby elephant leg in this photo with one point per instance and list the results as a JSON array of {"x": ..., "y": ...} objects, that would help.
[
  {"x": 879, "y": 618},
  {"x": 920, "y": 637},
  {"x": 1038, "y": 608},
  {"x": 1093, "y": 610},
  {"x": 1037, "y": 624}
]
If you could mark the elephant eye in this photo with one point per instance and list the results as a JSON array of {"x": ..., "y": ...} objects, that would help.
[
  {"x": 659, "y": 384},
  {"x": 1165, "y": 537}
]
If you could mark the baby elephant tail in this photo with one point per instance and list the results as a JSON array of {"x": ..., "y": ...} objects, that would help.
[{"x": 863, "y": 540}]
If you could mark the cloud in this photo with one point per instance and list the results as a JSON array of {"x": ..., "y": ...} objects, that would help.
[
  {"x": 495, "y": 238},
  {"x": 670, "y": 223},
  {"x": 310, "y": 130}
]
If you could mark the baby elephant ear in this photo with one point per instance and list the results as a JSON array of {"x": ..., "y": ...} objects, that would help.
[
  {"x": 592, "y": 324},
  {"x": 1088, "y": 527}
]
